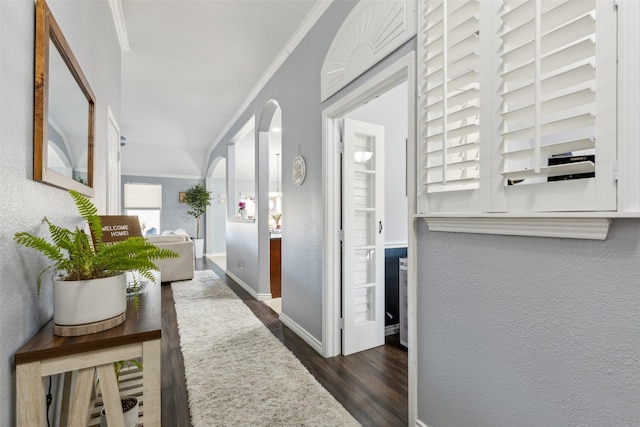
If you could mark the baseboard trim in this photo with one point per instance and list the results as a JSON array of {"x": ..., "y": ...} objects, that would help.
[
  {"x": 246, "y": 287},
  {"x": 302, "y": 333},
  {"x": 420, "y": 424},
  {"x": 391, "y": 329}
]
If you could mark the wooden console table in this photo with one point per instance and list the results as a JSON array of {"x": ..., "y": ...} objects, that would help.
[{"x": 46, "y": 354}]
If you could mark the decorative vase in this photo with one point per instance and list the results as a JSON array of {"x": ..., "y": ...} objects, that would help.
[
  {"x": 130, "y": 415},
  {"x": 198, "y": 245},
  {"x": 83, "y": 302},
  {"x": 243, "y": 213}
]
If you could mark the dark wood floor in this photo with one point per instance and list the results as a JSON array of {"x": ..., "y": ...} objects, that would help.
[{"x": 371, "y": 385}]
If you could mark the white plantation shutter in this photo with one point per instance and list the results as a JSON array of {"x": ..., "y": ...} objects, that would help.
[
  {"x": 450, "y": 110},
  {"x": 556, "y": 61},
  {"x": 555, "y": 64}
]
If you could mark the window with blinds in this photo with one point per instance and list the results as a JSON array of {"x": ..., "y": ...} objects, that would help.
[
  {"x": 145, "y": 202},
  {"x": 550, "y": 145}
]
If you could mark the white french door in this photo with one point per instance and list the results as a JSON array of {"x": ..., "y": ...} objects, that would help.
[{"x": 363, "y": 245}]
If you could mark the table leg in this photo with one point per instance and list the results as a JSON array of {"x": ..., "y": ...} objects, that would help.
[
  {"x": 111, "y": 395},
  {"x": 30, "y": 395},
  {"x": 151, "y": 383},
  {"x": 79, "y": 415}
]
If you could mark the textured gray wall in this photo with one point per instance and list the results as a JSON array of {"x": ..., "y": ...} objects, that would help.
[
  {"x": 174, "y": 214},
  {"x": 296, "y": 88},
  {"x": 89, "y": 29},
  {"x": 517, "y": 331}
]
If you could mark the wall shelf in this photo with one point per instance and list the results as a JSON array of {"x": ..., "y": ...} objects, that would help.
[{"x": 251, "y": 221}]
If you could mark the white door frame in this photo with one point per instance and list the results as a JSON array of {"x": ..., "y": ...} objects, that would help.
[{"x": 401, "y": 71}]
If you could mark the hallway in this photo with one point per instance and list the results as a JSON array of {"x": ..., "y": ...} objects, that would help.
[{"x": 371, "y": 385}]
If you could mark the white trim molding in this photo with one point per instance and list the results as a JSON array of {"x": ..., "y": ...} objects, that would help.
[
  {"x": 545, "y": 226},
  {"x": 628, "y": 105},
  {"x": 371, "y": 31},
  {"x": 118, "y": 22},
  {"x": 301, "y": 332},
  {"x": 246, "y": 287},
  {"x": 401, "y": 71}
]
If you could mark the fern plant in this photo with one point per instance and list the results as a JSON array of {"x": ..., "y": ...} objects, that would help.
[{"x": 75, "y": 258}]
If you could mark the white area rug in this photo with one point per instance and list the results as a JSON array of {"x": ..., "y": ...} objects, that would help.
[{"x": 237, "y": 372}]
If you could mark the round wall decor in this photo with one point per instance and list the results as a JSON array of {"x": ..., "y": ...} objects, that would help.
[{"x": 299, "y": 171}]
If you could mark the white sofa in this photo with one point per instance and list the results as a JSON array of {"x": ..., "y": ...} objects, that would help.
[{"x": 174, "y": 269}]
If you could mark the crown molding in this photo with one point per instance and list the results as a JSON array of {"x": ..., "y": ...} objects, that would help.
[
  {"x": 308, "y": 23},
  {"x": 125, "y": 174},
  {"x": 118, "y": 22}
]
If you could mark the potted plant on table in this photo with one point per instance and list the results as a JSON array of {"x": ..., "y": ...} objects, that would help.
[
  {"x": 89, "y": 283},
  {"x": 198, "y": 198},
  {"x": 130, "y": 404}
]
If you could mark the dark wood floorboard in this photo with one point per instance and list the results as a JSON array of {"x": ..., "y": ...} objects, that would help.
[{"x": 371, "y": 385}]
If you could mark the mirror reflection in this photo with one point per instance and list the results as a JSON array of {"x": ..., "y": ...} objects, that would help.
[{"x": 67, "y": 121}]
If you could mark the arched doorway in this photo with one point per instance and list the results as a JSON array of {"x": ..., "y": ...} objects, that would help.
[{"x": 270, "y": 200}]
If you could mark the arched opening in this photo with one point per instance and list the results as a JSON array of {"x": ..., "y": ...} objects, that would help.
[
  {"x": 270, "y": 201},
  {"x": 217, "y": 213}
]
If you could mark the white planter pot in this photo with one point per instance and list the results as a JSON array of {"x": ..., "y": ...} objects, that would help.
[
  {"x": 198, "y": 244},
  {"x": 88, "y": 301},
  {"x": 130, "y": 417}
]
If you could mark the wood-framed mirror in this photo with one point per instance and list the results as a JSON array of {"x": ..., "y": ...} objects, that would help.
[{"x": 64, "y": 111}]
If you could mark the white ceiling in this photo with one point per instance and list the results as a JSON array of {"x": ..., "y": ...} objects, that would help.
[{"x": 191, "y": 66}]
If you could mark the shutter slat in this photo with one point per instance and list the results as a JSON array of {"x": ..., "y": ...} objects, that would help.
[
  {"x": 460, "y": 65},
  {"x": 518, "y": 36},
  {"x": 525, "y": 72},
  {"x": 465, "y": 114},
  {"x": 553, "y": 149},
  {"x": 520, "y": 114},
  {"x": 435, "y": 74},
  {"x": 434, "y": 8},
  {"x": 551, "y": 171},
  {"x": 555, "y": 15},
  {"x": 567, "y": 34},
  {"x": 469, "y": 44},
  {"x": 568, "y": 101},
  {"x": 467, "y": 146},
  {"x": 467, "y": 80},
  {"x": 435, "y": 61},
  {"x": 462, "y": 31},
  {"x": 520, "y": 96},
  {"x": 568, "y": 123},
  {"x": 519, "y": 14},
  {"x": 520, "y": 54},
  {"x": 555, "y": 126},
  {"x": 579, "y": 73},
  {"x": 569, "y": 55},
  {"x": 465, "y": 97}
]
